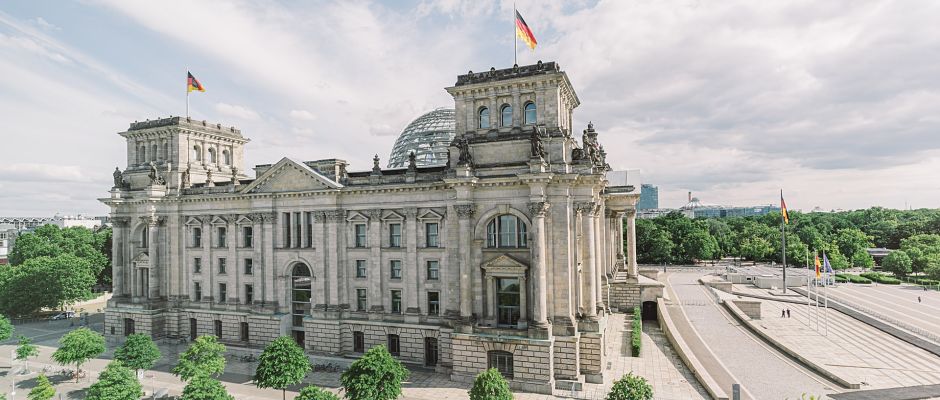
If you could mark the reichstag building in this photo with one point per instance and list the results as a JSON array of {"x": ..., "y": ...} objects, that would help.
[{"x": 492, "y": 239}]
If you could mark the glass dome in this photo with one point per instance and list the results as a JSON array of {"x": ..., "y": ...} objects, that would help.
[{"x": 428, "y": 137}]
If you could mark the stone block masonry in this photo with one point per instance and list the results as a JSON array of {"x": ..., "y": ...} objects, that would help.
[
  {"x": 533, "y": 366},
  {"x": 624, "y": 296}
]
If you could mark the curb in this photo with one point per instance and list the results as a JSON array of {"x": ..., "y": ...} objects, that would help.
[
  {"x": 779, "y": 346},
  {"x": 686, "y": 354}
]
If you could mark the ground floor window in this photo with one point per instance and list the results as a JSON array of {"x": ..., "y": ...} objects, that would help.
[
  {"x": 359, "y": 342},
  {"x": 218, "y": 329},
  {"x": 128, "y": 326},
  {"x": 244, "y": 331},
  {"x": 430, "y": 352},
  {"x": 500, "y": 360},
  {"x": 394, "y": 345},
  {"x": 193, "y": 332}
]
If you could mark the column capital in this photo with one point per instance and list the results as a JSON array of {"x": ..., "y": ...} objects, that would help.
[
  {"x": 335, "y": 215},
  {"x": 411, "y": 213},
  {"x": 464, "y": 210},
  {"x": 268, "y": 216},
  {"x": 586, "y": 207},
  {"x": 630, "y": 213},
  {"x": 374, "y": 214},
  {"x": 538, "y": 208},
  {"x": 152, "y": 220},
  {"x": 120, "y": 221},
  {"x": 232, "y": 218},
  {"x": 319, "y": 217}
]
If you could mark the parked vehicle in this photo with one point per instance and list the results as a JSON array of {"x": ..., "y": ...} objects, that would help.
[{"x": 63, "y": 315}]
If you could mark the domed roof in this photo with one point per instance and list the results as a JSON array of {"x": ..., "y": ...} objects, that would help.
[{"x": 428, "y": 137}]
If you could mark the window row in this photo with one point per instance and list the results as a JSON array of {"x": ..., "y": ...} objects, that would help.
[
  {"x": 145, "y": 154},
  {"x": 432, "y": 269},
  {"x": 297, "y": 232},
  {"x": 220, "y": 240},
  {"x": 248, "y": 265},
  {"x": 211, "y": 157},
  {"x": 433, "y": 301},
  {"x": 248, "y": 296},
  {"x": 505, "y": 115},
  {"x": 393, "y": 343}
]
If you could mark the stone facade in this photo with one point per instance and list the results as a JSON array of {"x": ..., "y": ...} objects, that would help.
[{"x": 500, "y": 258}]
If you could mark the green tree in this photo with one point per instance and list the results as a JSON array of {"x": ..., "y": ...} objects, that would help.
[
  {"x": 631, "y": 387},
  {"x": 851, "y": 241},
  {"x": 490, "y": 385},
  {"x": 862, "y": 259},
  {"x": 314, "y": 393},
  {"x": 282, "y": 364},
  {"x": 755, "y": 248},
  {"x": 932, "y": 267},
  {"x": 138, "y": 352},
  {"x": 116, "y": 382},
  {"x": 26, "y": 349},
  {"x": 920, "y": 248},
  {"x": 653, "y": 244},
  {"x": 206, "y": 356},
  {"x": 77, "y": 347},
  {"x": 6, "y": 328},
  {"x": 203, "y": 387},
  {"x": 898, "y": 263},
  {"x": 43, "y": 389},
  {"x": 44, "y": 282},
  {"x": 374, "y": 376}
]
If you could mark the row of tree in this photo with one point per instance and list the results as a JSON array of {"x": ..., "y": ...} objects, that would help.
[
  {"x": 843, "y": 236},
  {"x": 51, "y": 266}
]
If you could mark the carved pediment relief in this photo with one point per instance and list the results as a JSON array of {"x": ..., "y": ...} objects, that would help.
[
  {"x": 244, "y": 220},
  {"x": 505, "y": 264},
  {"x": 217, "y": 220},
  {"x": 392, "y": 216},
  {"x": 430, "y": 215},
  {"x": 356, "y": 216},
  {"x": 141, "y": 259},
  {"x": 290, "y": 176},
  {"x": 193, "y": 221}
]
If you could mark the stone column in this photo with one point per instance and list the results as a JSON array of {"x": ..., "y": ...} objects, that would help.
[
  {"x": 118, "y": 264},
  {"x": 600, "y": 261},
  {"x": 588, "y": 267},
  {"x": 491, "y": 298},
  {"x": 319, "y": 241},
  {"x": 334, "y": 221},
  {"x": 538, "y": 272},
  {"x": 376, "y": 277},
  {"x": 410, "y": 274},
  {"x": 153, "y": 224},
  {"x": 268, "y": 235},
  {"x": 258, "y": 267},
  {"x": 234, "y": 264},
  {"x": 631, "y": 242},
  {"x": 464, "y": 213},
  {"x": 618, "y": 223}
]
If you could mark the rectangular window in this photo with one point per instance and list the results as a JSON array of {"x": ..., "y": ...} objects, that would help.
[
  {"x": 218, "y": 328},
  {"x": 361, "y": 300},
  {"x": 220, "y": 237},
  {"x": 249, "y": 266},
  {"x": 434, "y": 270},
  {"x": 502, "y": 361},
  {"x": 360, "y": 235},
  {"x": 287, "y": 238},
  {"x": 248, "y": 236},
  {"x": 197, "y": 291},
  {"x": 394, "y": 235},
  {"x": 223, "y": 292},
  {"x": 249, "y": 294},
  {"x": 431, "y": 235},
  {"x": 434, "y": 303},
  {"x": 193, "y": 331},
  {"x": 244, "y": 331},
  {"x": 396, "y": 302},
  {"x": 359, "y": 342},
  {"x": 394, "y": 345},
  {"x": 197, "y": 265},
  {"x": 197, "y": 237},
  {"x": 360, "y": 268},
  {"x": 297, "y": 230},
  {"x": 395, "y": 269},
  {"x": 308, "y": 216},
  {"x": 222, "y": 265}
]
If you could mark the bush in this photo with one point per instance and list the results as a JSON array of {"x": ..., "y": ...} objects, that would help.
[
  {"x": 631, "y": 387},
  {"x": 490, "y": 385},
  {"x": 314, "y": 393},
  {"x": 851, "y": 278},
  {"x": 374, "y": 376},
  {"x": 881, "y": 278},
  {"x": 636, "y": 336}
]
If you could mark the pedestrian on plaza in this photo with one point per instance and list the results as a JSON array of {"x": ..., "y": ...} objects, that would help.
[
  {"x": 783, "y": 313},
  {"x": 788, "y": 313},
  {"x": 918, "y": 299}
]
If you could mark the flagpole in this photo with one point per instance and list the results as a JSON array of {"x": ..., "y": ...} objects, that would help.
[
  {"x": 783, "y": 235},
  {"x": 515, "y": 52},
  {"x": 187, "y": 93},
  {"x": 808, "y": 294},
  {"x": 826, "y": 309}
]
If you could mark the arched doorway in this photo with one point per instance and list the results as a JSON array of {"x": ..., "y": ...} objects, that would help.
[
  {"x": 301, "y": 291},
  {"x": 649, "y": 311}
]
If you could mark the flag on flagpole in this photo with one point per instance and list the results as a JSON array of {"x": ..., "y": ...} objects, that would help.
[
  {"x": 524, "y": 33},
  {"x": 783, "y": 209},
  {"x": 192, "y": 84},
  {"x": 817, "y": 267},
  {"x": 826, "y": 264}
]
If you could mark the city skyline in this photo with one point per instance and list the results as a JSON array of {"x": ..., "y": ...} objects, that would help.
[{"x": 732, "y": 101}]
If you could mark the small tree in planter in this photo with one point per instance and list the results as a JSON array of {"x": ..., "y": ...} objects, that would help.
[
  {"x": 375, "y": 376},
  {"x": 77, "y": 347},
  {"x": 490, "y": 385},
  {"x": 138, "y": 352},
  {"x": 631, "y": 387},
  {"x": 116, "y": 382},
  {"x": 206, "y": 356},
  {"x": 282, "y": 364},
  {"x": 203, "y": 387},
  {"x": 25, "y": 350},
  {"x": 42, "y": 391},
  {"x": 6, "y": 328},
  {"x": 314, "y": 393}
]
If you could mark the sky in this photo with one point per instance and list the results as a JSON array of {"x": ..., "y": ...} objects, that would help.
[{"x": 837, "y": 103}]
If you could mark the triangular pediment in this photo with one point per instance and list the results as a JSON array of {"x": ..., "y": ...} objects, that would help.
[
  {"x": 290, "y": 176},
  {"x": 392, "y": 216},
  {"x": 505, "y": 263},
  {"x": 142, "y": 258},
  {"x": 356, "y": 216},
  {"x": 217, "y": 220},
  {"x": 244, "y": 220},
  {"x": 193, "y": 221},
  {"x": 430, "y": 215}
]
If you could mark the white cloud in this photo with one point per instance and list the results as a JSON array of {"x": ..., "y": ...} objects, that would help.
[
  {"x": 237, "y": 111},
  {"x": 42, "y": 23},
  {"x": 302, "y": 115}
]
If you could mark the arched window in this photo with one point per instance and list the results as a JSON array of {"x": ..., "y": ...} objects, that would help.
[
  {"x": 506, "y": 114},
  {"x": 506, "y": 231},
  {"x": 142, "y": 155},
  {"x": 484, "y": 118},
  {"x": 144, "y": 237},
  {"x": 300, "y": 293},
  {"x": 153, "y": 152},
  {"x": 226, "y": 157},
  {"x": 212, "y": 156},
  {"x": 166, "y": 151},
  {"x": 529, "y": 113},
  {"x": 197, "y": 153}
]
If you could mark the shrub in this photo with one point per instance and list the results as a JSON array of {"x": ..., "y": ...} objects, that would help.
[
  {"x": 631, "y": 387},
  {"x": 851, "y": 278},
  {"x": 881, "y": 278},
  {"x": 374, "y": 376},
  {"x": 490, "y": 385},
  {"x": 314, "y": 393},
  {"x": 42, "y": 391},
  {"x": 636, "y": 336}
]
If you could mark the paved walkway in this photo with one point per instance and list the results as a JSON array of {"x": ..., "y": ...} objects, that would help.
[{"x": 897, "y": 302}]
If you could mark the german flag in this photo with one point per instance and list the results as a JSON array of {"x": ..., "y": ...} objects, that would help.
[
  {"x": 817, "y": 266},
  {"x": 783, "y": 209},
  {"x": 524, "y": 33},
  {"x": 193, "y": 84}
]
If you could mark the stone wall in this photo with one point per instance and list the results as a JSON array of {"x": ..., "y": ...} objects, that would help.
[
  {"x": 624, "y": 296},
  {"x": 751, "y": 308},
  {"x": 567, "y": 358},
  {"x": 533, "y": 369}
]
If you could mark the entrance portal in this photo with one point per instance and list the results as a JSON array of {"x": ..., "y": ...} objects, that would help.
[{"x": 649, "y": 311}]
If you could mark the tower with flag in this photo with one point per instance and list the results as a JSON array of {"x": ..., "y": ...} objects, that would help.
[
  {"x": 523, "y": 32},
  {"x": 191, "y": 85}
]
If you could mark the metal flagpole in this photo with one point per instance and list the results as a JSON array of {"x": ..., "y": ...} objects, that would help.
[
  {"x": 783, "y": 235},
  {"x": 809, "y": 307},
  {"x": 826, "y": 309},
  {"x": 515, "y": 52},
  {"x": 187, "y": 93}
]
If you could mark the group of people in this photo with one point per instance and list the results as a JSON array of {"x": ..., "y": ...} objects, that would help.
[{"x": 785, "y": 313}]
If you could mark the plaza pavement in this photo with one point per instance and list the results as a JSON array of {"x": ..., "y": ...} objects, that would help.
[
  {"x": 894, "y": 302},
  {"x": 658, "y": 364}
]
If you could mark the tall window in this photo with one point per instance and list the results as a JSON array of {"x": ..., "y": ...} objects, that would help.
[
  {"x": 287, "y": 230},
  {"x": 361, "y": 300},
  {"x": 193, "y": 332},
  {"x": 226, "y": 157},
  {"x": 431, "y": 234},
  {"x": 359, "y": 342},
  {"x": 248, "y": 236},
  {"x": 244, "y": 331},
  {"x": 212, "y": 159},
  {"x": 145, "y": 237},
  {"x": 220, "y": 237},
  {"x": 501, "y": 360},
  {"x": 434, "y": 303},
  {"x": 434, "y": 270},
  {"x": 484, "y": 118},
  {"x": 197, "y": 237},
  {"x": 360, "y": 268},
  {"x": 197, "y": 291},
  {"x": 166, "y": 150},
  {"x": 529, "y": 113},
  {"x": 394, "y": 235},
  {"x": 142, "y": 155},
  {"x": 505, "y": 114},
  {"x": 297, "y": 230},
  {"x": 396, "y": 302},
  {"x": 394, "y": 345},
  {"x": 300, "y": 293},
  {"x": 153, "y": 152},
  {"x": 249, "y": 294},
  {"x": 222, "y": 262},
  {"x": 507, "y": 302},
  {"x": 506, "y": 231},
  {"x": 360, "y": 235},
  {"x": 308, "y": 217},
  {"x": 395, "y": 269},
  {"x": 223, "y": 292},
  {"x": 197, "y": 153},
  {"x": 218, "y": 328},
  {"x": 249, "y": 266}
]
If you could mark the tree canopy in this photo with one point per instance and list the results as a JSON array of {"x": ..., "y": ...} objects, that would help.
[
  {"x": 374, "y": 376},
  {"x": 490, "y": 385},
  {"x": 43, "y": 389},
  {"x": 116, "y": 382},
  {"x": 79, "y": 346},
  {"x": 204, "y": 387},
  {"x": 51, "y": 241},
  {"x": 138, "y": 352},
  {"x": 282, "y": 364},
  {"x": 45, "y": 282},
  {"x": 314, "y": 393},
  {"x": 6, "y": 328},
  {"x": 205, "y": 356},
  {"x": 898, "y": 263}
]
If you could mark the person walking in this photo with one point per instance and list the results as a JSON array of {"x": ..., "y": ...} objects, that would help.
[
  {"x": 918, "y": 299},
  {"x": 783, "y": 313},
  {"x": 788, "y": 313}
]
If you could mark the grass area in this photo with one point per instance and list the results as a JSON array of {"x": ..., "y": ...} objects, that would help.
[{"x": 636, "y": 336}]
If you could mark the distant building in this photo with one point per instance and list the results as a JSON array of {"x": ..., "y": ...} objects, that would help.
[
  {"x": 68, "y": 221},
  {"x": 695, "y": 208},
  {"x": 649, "y": 197},
  {"x": 7, "y": 236}
]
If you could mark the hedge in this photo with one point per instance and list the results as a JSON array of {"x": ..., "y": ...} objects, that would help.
[
  {"x": 637, "y": 334},
  {"x": 851, "y": 278},
  {"x": 881, "y": 278}
]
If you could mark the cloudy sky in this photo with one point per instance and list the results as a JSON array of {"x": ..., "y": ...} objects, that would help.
[{"x": 836, "y": 102}]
